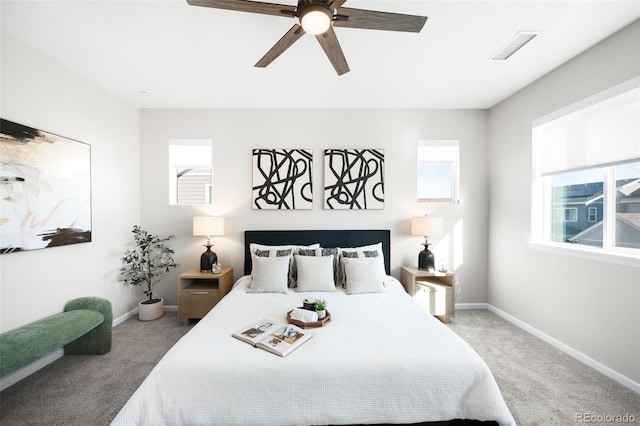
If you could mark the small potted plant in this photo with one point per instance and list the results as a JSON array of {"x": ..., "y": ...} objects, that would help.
[
  {"x": 321, "y": 308},
  {"x": 144, "y": 266}
]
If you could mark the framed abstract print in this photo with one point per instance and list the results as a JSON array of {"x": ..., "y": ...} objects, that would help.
[{"x": 45, "y": 181}]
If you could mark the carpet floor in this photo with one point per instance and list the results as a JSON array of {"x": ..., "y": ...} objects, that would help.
[
  {"x": 84, "y": 390},
  {"x": 541, "y": 385}
]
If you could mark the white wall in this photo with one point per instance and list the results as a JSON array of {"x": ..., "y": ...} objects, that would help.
[
  {"x": 38, "y": 92},
  {"x": 594, "y": 307},
  {"x": 236, "y": 132}
]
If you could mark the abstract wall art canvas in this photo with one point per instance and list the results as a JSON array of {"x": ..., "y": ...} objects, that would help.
[
  {"x": 353, "y": 179},
  {"x": 45, "y": 182},
  {"x": 282, "y": 179}
]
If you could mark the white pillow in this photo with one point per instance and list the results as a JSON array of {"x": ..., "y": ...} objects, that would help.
[
  {"x": 333, "y": 252},
  {"x": 273, "y": 250},
  {"x": 270, "y": 274},
  {"x": 363, "y": 251},
  {"x": 363, "y": 275},
  {"x": 315, "y": 273}
]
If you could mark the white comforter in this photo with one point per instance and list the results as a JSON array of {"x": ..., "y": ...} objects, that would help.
[{"x": 381, "y": 359}]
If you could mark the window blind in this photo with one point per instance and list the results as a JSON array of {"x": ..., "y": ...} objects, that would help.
[
  {"x": 601, "y": 130},
  {"x": 438, "y": 151}
]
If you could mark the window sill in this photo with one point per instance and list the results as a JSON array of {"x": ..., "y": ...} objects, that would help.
[{"x": 591, "y": 253}]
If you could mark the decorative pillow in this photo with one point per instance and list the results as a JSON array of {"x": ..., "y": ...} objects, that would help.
[
  {"x": 377, "y": 247},
  {"x": 270, "y": 274},
  {"x": 365, "y": 251},
  {"x": 363, "y": 275},
  {"x": 321, "y": 251},
  {"x": 315, "y": 273},
  {"x": 359, "y": 254},
  {"x": 274, "y": 252},
  {"x": 253, "y": 247}
]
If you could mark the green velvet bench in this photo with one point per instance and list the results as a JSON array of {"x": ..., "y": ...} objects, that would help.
[{"x": 84, "y": 328}]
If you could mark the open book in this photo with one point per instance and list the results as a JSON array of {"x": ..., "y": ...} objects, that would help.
[{"x": 280, "y": 339}]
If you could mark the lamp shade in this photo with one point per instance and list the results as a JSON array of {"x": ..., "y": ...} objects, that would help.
[
  {"x": 208, "y": 226},
  {"x": 426, "y": 226}
]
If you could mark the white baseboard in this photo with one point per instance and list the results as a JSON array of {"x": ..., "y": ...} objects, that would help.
[
  {"x": 133, "y": 312},
  {"x": 467, "y": 306},
  {"x": 609, "y": 372},
  {"x": 123, "y": 318},
  {"x": 24, "y": 372}
]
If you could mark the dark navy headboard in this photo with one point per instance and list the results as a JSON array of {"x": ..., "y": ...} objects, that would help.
[{"x": 326, "y": 238}]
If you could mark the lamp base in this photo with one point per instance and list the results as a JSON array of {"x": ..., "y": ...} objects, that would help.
[
  {"x": 207, "y": 259},
  {"x": 426, "y": 260}
]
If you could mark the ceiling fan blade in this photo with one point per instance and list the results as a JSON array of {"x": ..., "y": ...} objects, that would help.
[
  {"x": 374, "y": 20},
  {"x": 331, "y": 47},
  {"x": 283, "y": 44},
  {"x": 247, "y": 6},
  {"x": 336, "y": 4}
]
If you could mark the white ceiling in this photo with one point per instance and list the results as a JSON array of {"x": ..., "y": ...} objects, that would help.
[{"x": 195, "y": 57}]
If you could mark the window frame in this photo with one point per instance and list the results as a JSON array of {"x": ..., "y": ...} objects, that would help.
[
  {"x": 454, "y": 172},
  {"x": 190, "y": 161},
  {"x": 541, "y": 199}
]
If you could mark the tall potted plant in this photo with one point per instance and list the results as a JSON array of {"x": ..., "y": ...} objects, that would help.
[{"x": 144, "y": 266}]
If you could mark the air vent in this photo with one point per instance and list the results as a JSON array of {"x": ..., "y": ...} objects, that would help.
[{"x": 513, "y": 45}]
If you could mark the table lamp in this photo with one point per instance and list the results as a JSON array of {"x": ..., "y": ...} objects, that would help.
[
  {"x": 426, "y": 226},
  {"x": 208, "y": 226}
]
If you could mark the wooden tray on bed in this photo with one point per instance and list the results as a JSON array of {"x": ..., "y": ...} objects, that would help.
[{"x": 313, "y": 324}]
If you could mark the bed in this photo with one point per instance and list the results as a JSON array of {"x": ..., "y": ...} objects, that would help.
[{"x": 379, "y": 360}]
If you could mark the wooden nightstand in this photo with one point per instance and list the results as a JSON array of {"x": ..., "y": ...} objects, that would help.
[
  {"x": 435, "y": 291},
  {"x": 198, "y": 292}
]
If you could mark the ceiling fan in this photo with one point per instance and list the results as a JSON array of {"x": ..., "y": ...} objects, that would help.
[{"x": 318, "y": 17}]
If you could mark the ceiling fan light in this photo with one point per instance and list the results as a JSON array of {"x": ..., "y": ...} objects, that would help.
[{"x": 315, "y": 20}]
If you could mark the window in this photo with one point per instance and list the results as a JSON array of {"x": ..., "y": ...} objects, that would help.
[
  {"x": 573, "y": 193},
  {"x": 586, "y": 183},
  {"x": 190, "y": 171},
  {"x": 438, "y": 171},
  {"x": 627, "y": 205},
  {"x": 567, "y": 214}
]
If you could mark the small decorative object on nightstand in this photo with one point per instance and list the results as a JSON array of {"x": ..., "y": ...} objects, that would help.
[
  {"x": 435, "y": 291},
  {"x": 426, "y": 226},
  {"x": 208, "y": 226},
  {"x": 443, "y": 266},
  {"x": 198, "y": 292}
]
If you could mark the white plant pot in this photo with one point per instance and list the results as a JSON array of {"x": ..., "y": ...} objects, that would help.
[
  {"x": 321, "y": 314},
  {"x": 148, "y": 312}
]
